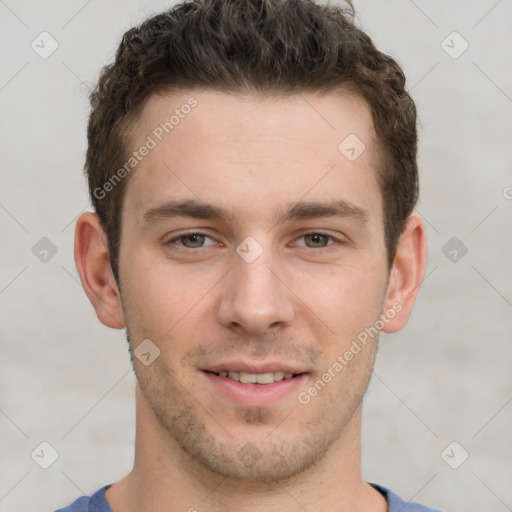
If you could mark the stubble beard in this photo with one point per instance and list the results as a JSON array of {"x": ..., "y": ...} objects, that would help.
[{"x": 205, "y": 440}]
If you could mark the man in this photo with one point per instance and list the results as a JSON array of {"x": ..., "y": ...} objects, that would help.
[{"x": 252, "y": 166}]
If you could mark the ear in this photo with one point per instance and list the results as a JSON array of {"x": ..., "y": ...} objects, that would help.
[
  {"x": 93, "y": 265},
  {"x": 406, "y": 274}
]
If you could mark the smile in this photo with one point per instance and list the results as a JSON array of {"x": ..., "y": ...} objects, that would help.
[
  {"x": 255, "y": 378},
  {"x": 255, "y": 389}
]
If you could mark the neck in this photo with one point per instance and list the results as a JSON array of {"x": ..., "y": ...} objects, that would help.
[{"x": 165, "y": 478}]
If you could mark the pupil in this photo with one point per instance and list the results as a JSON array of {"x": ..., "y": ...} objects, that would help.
[
  {"x": 195, "y": 239},
  {"x": 317, "y": 238}
]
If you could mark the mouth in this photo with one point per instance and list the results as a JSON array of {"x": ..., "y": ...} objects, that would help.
[
  {"x": 262, "y": 389},
  {"x": 255, "y": 378}
]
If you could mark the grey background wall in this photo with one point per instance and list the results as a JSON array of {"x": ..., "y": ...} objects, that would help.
[{"x": 446, "y": 378}]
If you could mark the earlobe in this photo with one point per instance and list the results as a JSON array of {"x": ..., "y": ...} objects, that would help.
[
  {"x": 406, "y": 274},
  {"x": 93, "y": 265}
]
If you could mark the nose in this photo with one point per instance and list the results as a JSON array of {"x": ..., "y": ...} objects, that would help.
[{"x": 255, "y": 297}]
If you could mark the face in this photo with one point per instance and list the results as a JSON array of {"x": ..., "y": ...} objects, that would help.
[{"x": 252, "y": 244}]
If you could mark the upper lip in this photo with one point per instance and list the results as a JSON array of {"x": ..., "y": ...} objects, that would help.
[{"x": 240, "y": 366}]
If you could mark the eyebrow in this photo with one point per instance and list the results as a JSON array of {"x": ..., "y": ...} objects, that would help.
[{"x": 300, "y": 210}]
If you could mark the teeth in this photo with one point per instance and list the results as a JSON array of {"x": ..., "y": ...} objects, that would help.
[
  {"x": 278, "y": 376},
  {"x": 248, "y": 378},
  {"x": 256, "y": 378},
  {"x": 264, "y": 378}
]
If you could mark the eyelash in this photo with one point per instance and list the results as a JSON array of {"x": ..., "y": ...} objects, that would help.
[{"x": 326, "y": 248}]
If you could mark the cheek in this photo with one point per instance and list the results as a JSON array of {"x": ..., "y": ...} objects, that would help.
[
  {"x": 163, "y": 298},
  {"x": 345, "y": 297}
]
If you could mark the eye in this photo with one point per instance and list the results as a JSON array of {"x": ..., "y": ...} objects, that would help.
[
  {"x": 191, "y": 240},
  {"x": 197, "y": 240},
  {"x": 318, "y": 240}
]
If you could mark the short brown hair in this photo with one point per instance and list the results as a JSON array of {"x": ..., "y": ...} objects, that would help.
[{"x": 263, "y": 46}]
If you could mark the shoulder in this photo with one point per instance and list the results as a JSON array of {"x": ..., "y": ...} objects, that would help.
[
  {"x": 94, "y": 503},
  {"x": 397, "y": 504}
]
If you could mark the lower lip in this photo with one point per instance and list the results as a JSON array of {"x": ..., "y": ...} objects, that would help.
[{"x": 256, "y": 395}]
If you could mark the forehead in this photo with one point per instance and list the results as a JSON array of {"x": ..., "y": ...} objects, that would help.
[
  {"x": 212, "y": 116},
  {"x": 251, "y": 150}
]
